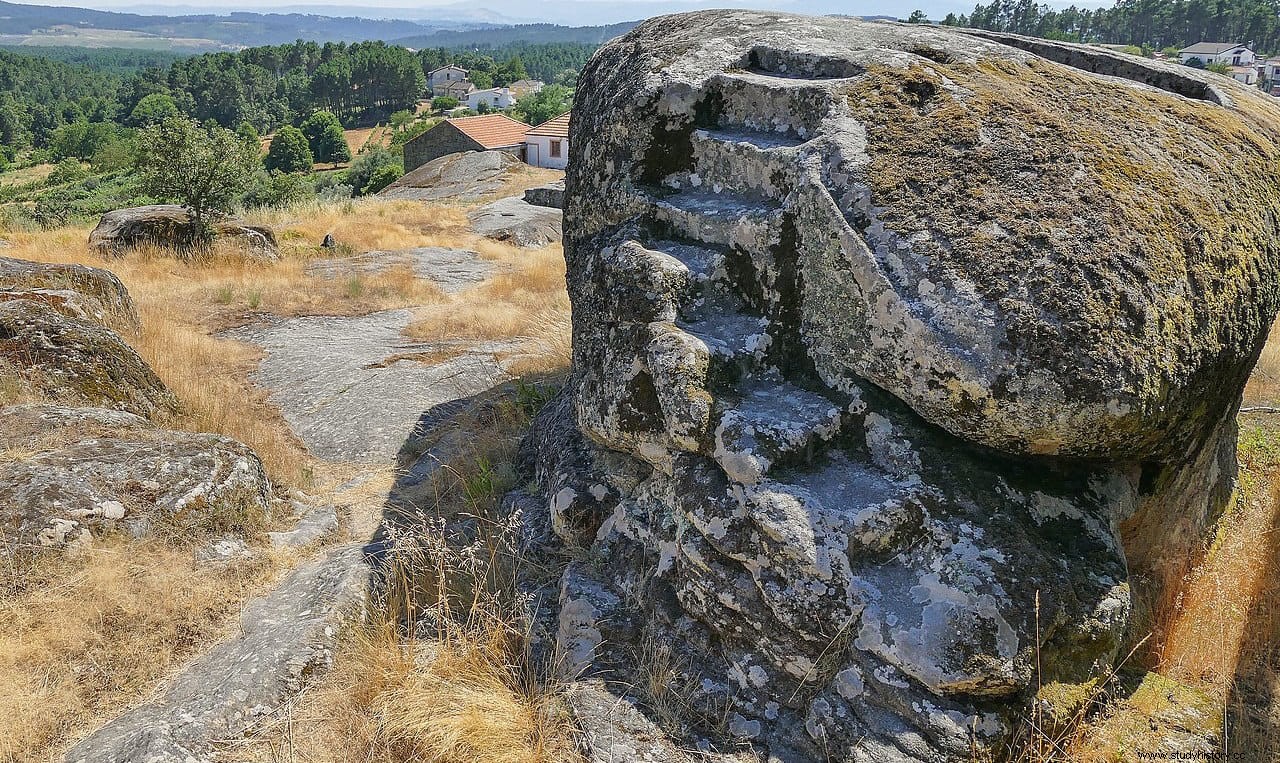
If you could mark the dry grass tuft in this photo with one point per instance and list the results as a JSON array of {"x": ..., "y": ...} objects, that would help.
[
  {"x": 464, "y": 701},
  {"x": 527, "y": 302},
  {"x": 443, "y": 672},
  {"x": 83, "y": 636}
]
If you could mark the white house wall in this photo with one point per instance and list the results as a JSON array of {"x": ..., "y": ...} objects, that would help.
[{"x": 538, "y": 152}]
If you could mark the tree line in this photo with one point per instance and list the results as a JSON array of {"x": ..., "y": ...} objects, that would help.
[
  {"x": 1149, "y": 24},
  {"x": 264, "y": 87}
]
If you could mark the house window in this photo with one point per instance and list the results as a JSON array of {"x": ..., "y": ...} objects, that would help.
[{"x": 555, "y": 149}]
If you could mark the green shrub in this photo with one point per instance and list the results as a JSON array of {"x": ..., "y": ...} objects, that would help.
[
  {"x": 383, "y": 177},
  {"x": 67, "y": 171},
  {"x": 325, "y": 138},
  {"x": 289, "y": 151},
  {"x": 276, "y": 189},
  {"x": 367, "y": 164}
]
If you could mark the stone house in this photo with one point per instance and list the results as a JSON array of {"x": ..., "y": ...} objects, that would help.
[
  {"x": 487, "y": 132},
  {"x": 522, "y": 87},
  {"x": 1269, "y": 71},
  {"x": 495, "y": 98},
  {"x": 547, "y": 145},
  {"x": 458, "y": 89},
  {"x": 1229, "y": 53},
  {"x": 439, "y": 80}
]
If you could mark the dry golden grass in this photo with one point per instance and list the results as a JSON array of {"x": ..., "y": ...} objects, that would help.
[
  {"x": 467, "y": 695},
  {"x": 458, "y": 701},
  {"x": 525, "y": 301},
  {"x": 26, "y": 175},
  {"x": 441, "y": 673},
  {"x": 82, "y": 636}
]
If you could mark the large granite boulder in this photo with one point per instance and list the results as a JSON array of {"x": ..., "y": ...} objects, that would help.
[
  {"x": 905, "y": 369},
  {"x": 461, "y": 176},
  {"x": 171, "y": 226},
  {"x": 76, "y": 361},
  {"x": 74, "y": 290},
  {"x": 91, "y": 471}
]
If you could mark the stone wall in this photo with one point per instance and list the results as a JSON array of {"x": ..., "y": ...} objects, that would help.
[{"x": 442, "y": 140}]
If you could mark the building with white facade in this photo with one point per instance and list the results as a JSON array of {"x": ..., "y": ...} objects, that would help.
[{"x": 547, "y": 145}]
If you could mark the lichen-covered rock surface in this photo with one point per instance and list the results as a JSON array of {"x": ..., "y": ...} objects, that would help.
[
  {"x": 905, "y": 368},
  {"x": 76, "y": 361},
  {"x": 89, "y": 471},
  {"x": 172, "y": 226},
  {"x": 74, "y": 290}
]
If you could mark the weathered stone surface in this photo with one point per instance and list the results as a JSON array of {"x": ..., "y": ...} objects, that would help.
[
  {"x": 461, "y": 176},
  {"x": 75, "y": 290},
  {"x": 549, "y": 195},
  {"x": 451, "y": 269},
  {"x": 885, "y": 336},
  {"x": 315, "y": 523},
  {"x": 171, "y": 226},
  {"x": 518, "y": 222},
  {"x": 96, "y": 470},
  {"x": 353, "y": 388},
  {"x": 27, "y": 427},
  {"x": 77, "y": 361},
  {"x": 285, "y": 637}
]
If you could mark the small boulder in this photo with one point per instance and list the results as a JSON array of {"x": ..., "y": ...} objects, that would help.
[
  {"x": 27, "y": 427},
  {"x": 518, "y": 222},
  {"x": 75, "y": 290},
  {"x": 76, "y": 361},
  {"x": 171, "y": 226},
  {"x": 549, "y": 195},
  {"x": 73, "y": 489}
]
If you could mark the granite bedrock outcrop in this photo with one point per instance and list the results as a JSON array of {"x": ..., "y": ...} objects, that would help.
[{"x": 904, "y": 358}]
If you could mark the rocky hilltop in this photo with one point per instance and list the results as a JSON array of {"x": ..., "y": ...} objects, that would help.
[{"x": 905, "y": 370}]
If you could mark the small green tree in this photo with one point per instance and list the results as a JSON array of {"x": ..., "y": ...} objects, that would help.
[
  {"x": 156, "y": 107},
  {"x": 400, "y": 119},
  {"x": 325, "y": 137},
  {"x": 113, "y": 156},
  {"x": 917, "y": 17},
  {"x": 203, "y": 169},
  {"x": 67, "y": 171},
  {"x": 549, "y": 102},
  {"x": 249, "y": 134},
  {"x": 289, "y": 151},
  {"x": 383, "y": 177},
  {"x": 1219, "y": 68}
]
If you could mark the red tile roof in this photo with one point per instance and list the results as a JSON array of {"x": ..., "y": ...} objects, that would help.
[
  {"x": 556, "y": 128},
  {"x": 492, "y": 130}
]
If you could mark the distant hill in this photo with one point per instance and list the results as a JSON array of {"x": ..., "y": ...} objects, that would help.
[
  {"x": 537, "y": 33},
  {"x": 43, "y": 25}
]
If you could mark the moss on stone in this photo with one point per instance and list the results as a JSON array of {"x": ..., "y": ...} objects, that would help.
[{"x": 1125, "y": 235}]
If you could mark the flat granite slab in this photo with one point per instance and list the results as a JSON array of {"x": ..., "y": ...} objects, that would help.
[
  {"x": 350, "y": 386},
  {"x": 451, "y": 269}
]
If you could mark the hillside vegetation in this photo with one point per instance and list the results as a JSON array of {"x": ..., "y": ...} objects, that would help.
[
  {"x": 1152, "y": 24},
  {"x": 263, "y": 87}
]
